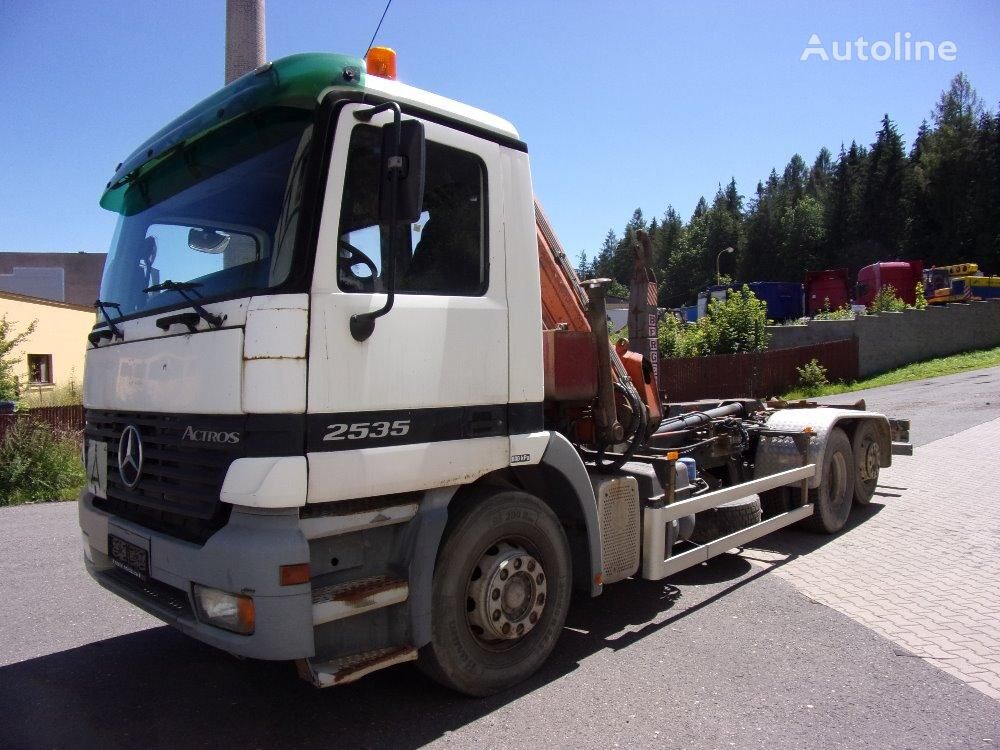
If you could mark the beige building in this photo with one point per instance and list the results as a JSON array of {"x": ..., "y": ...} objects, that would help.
[{"x": 54, "y": 354}]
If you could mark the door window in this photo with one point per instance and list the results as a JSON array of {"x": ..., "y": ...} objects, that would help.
[{"x": 443, "y": 253}]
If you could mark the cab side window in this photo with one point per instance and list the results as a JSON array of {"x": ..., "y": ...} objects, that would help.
[{"x": 444, "y": 253}]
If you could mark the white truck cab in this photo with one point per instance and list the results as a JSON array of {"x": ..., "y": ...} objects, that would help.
[{"x": 232, "y": 418}]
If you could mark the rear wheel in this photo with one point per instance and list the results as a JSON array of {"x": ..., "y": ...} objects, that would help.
[
  {"x": 866, "y": 461},
  {"x": 500, "y": 594},
  {"x": 832, "y": 499}
]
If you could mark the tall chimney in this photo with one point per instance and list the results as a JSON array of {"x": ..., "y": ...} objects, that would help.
[{"x": 245, "y": 44}]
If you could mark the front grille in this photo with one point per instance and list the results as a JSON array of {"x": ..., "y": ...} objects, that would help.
[{"x": 178, "y": 489}]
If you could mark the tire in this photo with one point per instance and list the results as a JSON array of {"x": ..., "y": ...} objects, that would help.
[
  {"x": 726, "y": 519},
  {"x": 500, "y": 531},
  {"x": 833, "y": 498},
  {"x": 865, "y": 446}
]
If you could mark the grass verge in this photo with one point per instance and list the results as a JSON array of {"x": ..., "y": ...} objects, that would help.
[{"x": 930, "y": 368}]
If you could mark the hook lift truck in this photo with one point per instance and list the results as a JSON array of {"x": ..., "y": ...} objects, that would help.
[{"x": 347, "y": 404}]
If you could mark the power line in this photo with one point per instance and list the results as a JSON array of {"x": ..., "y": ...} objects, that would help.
[{"x": 377, "y": 28}]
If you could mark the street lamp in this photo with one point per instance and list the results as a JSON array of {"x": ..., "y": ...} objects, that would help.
[{"x": 718, "y": 276}]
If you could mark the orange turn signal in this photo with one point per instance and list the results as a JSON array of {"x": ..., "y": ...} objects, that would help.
[
  {"x": 673, "y": 455},
  {"x": 293, "y": 575},
  {"x": 246, "y": 615},
  {"x": 381, "y": 62}
]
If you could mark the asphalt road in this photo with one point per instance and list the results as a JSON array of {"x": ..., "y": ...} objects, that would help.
[
  {"x": 725, "y": 655},
  {"x": 937, "y": 407}
]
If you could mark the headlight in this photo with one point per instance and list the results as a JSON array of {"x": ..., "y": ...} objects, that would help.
[{"x": 228, "y": 611}]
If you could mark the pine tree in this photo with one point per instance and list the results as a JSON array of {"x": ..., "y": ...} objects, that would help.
[
  {"x": 603, "y": 263},
  {"x": 820, "y": 175},
  {"x": 883, "y": 212},
  {"x": 941, "y": 191}
]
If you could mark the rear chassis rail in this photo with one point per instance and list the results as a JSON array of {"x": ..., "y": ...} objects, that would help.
[{"x": 656, "y": 517}]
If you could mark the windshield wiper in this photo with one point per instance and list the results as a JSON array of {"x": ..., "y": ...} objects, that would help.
[
  {"x": 173, "y": 286},
  {"x": 114, "y": 330},
  {"x": 182, "y": 288}
]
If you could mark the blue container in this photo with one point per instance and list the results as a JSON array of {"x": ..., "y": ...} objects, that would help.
[
  {"x": 690, "y": 313},
  {"x": 783, "y": 298}
]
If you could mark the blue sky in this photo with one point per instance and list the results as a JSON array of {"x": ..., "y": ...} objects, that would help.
[{"x": 622, "y": 104}]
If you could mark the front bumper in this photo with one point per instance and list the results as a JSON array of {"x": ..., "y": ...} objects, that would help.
[{"x": 242, "y": 558}]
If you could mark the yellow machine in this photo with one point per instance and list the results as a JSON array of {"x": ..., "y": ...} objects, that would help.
[{"x": 960, "y": 282}]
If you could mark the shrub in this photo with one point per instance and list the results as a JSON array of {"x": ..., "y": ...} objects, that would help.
[
  {"x": 9, "y": 341},
  {"x": 37, "y": 464},
  {"x": 886, "y": 300},
  {"x": 844, "y": 312},
  {"x": 735, "y": 326},
  {"x": 812, "y": 377},
  {"x": 617, "y": 289},
  {"x": 669, "y": 333},
  {"x": 920, "y": 299}
]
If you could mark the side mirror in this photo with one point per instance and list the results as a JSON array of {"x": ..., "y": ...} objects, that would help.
[
  {"x": 400, "y": 199},
  {"x": 409, "y": 167},
  {"x": 208, "y": 241}
]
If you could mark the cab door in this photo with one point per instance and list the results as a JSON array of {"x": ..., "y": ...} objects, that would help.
[{"x": 422, "y": 402}]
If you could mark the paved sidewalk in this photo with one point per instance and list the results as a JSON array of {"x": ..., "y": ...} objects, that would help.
[{"x": 921, "y": 564}]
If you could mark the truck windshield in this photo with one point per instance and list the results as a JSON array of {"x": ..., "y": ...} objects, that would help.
[{"x": 219, "y": 214}]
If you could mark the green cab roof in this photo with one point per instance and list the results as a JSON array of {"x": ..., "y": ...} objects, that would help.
[{"x": 294, "y": 81}]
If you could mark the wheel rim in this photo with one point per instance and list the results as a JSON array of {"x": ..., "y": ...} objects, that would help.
[
  {"x": 506, "y": 594},
  {"x": 868, "y": 461}
]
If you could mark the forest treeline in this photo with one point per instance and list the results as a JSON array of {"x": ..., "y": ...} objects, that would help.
[{"x": 939, "y": 203}]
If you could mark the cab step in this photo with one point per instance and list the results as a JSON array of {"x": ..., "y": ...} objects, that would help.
[
  {"x": 354, "y": 597},
  {"x": 345, "y": 669}
]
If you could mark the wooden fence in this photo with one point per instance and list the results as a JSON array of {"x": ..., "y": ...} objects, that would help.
[
  {"x": 762, "y": 375},
  {"x": 60, "y": 418}
]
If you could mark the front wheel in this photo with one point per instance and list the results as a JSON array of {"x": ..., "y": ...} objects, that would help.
[{"x": 500, "y": 594}]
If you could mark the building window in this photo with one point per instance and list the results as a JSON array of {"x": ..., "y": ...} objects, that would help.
[{"x": 40, "y": 369}]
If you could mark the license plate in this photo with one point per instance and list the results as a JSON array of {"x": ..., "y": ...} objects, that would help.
[
  {"x": 129, "y": 557},
  {"x": 97, "y": 468}
]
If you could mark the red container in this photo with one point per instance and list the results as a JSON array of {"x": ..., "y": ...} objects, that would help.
[{"x": 831, "y": 285}]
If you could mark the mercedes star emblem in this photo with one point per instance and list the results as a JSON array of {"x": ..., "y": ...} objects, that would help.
[{"x": 130, "y": 456}]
